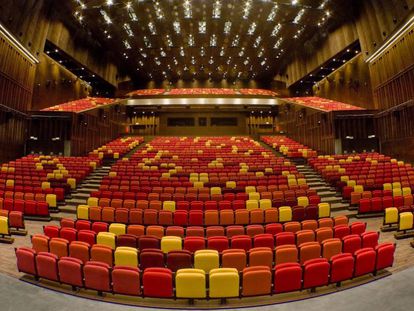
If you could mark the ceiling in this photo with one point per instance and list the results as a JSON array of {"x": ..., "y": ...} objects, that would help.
[{"x": 206, "y": 39}]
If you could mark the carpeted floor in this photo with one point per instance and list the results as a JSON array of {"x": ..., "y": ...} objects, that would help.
[{"x": 395, "y": 292}]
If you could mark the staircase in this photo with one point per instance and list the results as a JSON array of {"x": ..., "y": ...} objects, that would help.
[
  {"x": 324, "y": 190},
  {"x": 82, "y": 192},
  {"x": 80, "y": 195}
]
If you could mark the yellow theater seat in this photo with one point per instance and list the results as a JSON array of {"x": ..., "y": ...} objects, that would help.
[
  {"x": 71, "y": 182},
  {"x": 396, "y": 192},
  {"x": 116, "y": 155},
  {"x": 190, "y": 283},
  {"x": 198, "y": 184},
  {"x": 249, "y": 189},
  {"x": 171, "y": 243},
  {"x": 112, "y": 174},
  {"x": 231, "y": 184},
  {"x": 254, "y": 196},
  {"x": 405, "y": 221},
  {"x": 126, "y": 256},
  {"x": 93, "y": 201},
  {"x": 106, "y": 238},
  {"x": 168, "y": 206},
  {"x": 387, "y": 186},
  {"x": 391, "y": 216},
  {"x": 396, "y": 185},
  {"x": 10, "y": 183},
  {"x": 268, "y": 170},
  {"x": 252, "y": 204},
  {"x": 224, "y": 283},
  {"x": 117, "y": 229},
  {"x": 215, "y": 190},
  {"x": 285, "y": 214},
  {"x": 358, "y": 189},
  {"x": 301, "y": 181},
  {"x": 351, "y": 183},
  {"x": 344, "y": 178},
  {"x": 45, "y": 185},
  {"x": 265, "y": 204},
  {"x": 303, "y": 201},
  {"x": 324, "y": 210},
  {"x": 406, "y": 191},
  {"x": 204, "y": 179},
  {"x": 259, "y": 174},
  {"x": 51, "y": 200},
  {"x": 83, "y": 212},
  {"x": 206, "y": 259},
  {"x": 4, "y": 225}
]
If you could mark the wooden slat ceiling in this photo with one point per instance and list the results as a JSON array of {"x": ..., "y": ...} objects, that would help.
[{"x": 202, "y": 39}]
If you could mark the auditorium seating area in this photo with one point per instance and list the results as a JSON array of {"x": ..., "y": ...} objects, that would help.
[
  {"x": 36, "y": 184},
  {"x": 203, "y": 91},
  {"x": 324, "y": 104},
  {"x": 206, "y": 217},
  {"x": 288, "y": 147},
  {"x": 81, "y": 105},
  {"x": 371, "y": 181}
]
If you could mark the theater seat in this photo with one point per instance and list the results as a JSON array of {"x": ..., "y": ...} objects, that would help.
[
  {"x": 126, "y": 256},
  {"x": 126, "y": 280},
  {"x": 316, "y": 273},
  {"x": 70, "y": 271},
  {"x": 224, "y": 283},
  {"x": 257, "y": 281},
  {"x": 206, "y": 260},
  {"x": 190, "y": 283},
  {"x": 342, "y": 267},
  {"x": 26, "y": 260},
  {"x": 97, "y": 276},
  {"x": 288, "y": 277},
  {"x": 158, "y": 282}
]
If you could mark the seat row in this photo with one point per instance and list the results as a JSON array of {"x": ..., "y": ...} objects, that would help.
[
  {"x": 202, "y": 218},
  {"x": 209, "y": 231},
  {"x": 11, "y": 223},
  {"x": 32, "y": 193},
  {"x": 27, "y": 207},
  {"x": 278, "y": 197},
  {"x": 177, "y": 203},
  {"x": 195, "y": 254},
  {"x": 405, "y": 194},
  {"x": 379, "y": 204},
  {"x": 60, "y": 239},
  {"x": 192, "y": 283}
]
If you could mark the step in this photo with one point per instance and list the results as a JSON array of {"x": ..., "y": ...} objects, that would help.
[
  {"x": 323, "y": 189},
  {"x": 331, "y": 200},
  {"x": 339, "y": 206},
  {"x": 87, "y": 190},
  {"x": 75, "y": 202},
  {"x": 315, "y": 184},
  {"x": 327, "y": 194},
  {"x": 67, "y": 209},
  {"x": 80, "y": 196}
]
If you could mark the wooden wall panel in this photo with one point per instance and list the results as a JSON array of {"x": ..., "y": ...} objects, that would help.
[
  {"x": 303, "y": 64},
  {"x": 12, "y": 135},
  {"x": 26, "y": 19},
  {"x": 96, "y": 61},
  {"x": 312, "y": 128},
  {"x": 55, "y": 84},
  {"x": 377, "y": 20},
  {"x": 240, "y": 129},
  {"x": 95, "y": 128},
  {"x": 351, "y": 84}
]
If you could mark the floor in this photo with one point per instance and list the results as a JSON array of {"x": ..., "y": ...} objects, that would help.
[{"x": 394, "y": 292}]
